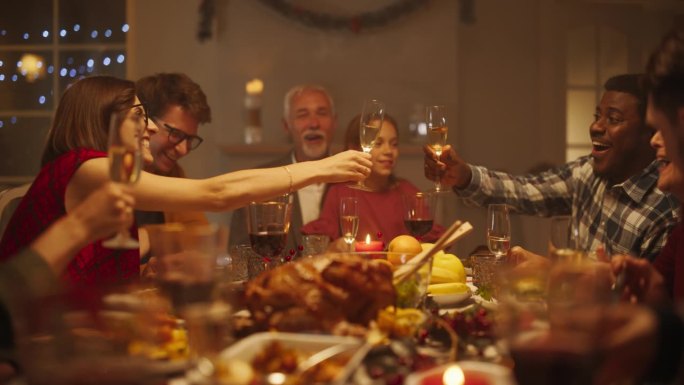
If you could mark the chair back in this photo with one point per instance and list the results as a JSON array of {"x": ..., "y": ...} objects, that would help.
[{"x": 9, "y": 200}]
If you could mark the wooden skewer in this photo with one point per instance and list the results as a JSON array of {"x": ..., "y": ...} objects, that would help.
[{"x": 453, "y": 233}]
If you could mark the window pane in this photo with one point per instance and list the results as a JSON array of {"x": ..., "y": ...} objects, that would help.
[
  {"x": 21, "y": 144},
  {"x": 581, "y": 56},
  {"x": 613, "y": 53},
  {"x": 88, "y": 21},
  {"x": 17, "y": 91},
  {"x": 576, "y": 152},
  {"x": 580, "y": 107},
  {"x": 26, "y": 22},
  {"x": 77, "y": 64}
]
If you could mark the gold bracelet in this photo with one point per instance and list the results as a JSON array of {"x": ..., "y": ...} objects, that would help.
[{"x": 289, "y": 191}]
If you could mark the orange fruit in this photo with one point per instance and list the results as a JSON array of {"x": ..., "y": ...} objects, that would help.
[{"x": 402, "y": 248}]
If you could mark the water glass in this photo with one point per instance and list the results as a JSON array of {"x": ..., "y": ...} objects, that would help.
[
  {"x": 186, "y": 259},
  {"x": 498, "y": 229},
  {"x": 314, "y": 244}
]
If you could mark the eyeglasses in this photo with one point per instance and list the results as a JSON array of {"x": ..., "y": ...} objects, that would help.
[
  {"x": 144, "y": 112},
  {"x": 177, "y": 136}
]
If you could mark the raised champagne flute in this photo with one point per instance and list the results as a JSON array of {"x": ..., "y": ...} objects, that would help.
[
  {"x": 268, "y": 224},
  {"x": 372, "y": 115},
  {"x": 349, "y": 220},
  {"x": 419, "y": 213},
  {"x": 437, "y": 129},
  {"x": 125, "y": 159},
  {"x": 498, "y": 229}
]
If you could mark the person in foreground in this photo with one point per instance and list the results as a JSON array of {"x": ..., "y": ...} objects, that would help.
[
  {"x": 611, "y": 193},
  {"x": 32, "y": 273},
  {"x": 381, "y": 208},
  {"x": 75, "y": 163},
  {"x": 310, "y": 120},
  {"x": 178, "y": 106}
]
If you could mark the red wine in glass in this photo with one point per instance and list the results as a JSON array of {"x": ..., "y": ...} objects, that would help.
[
  {"x": 268, "y": 244},
  {"x": 418, "y": 227}
]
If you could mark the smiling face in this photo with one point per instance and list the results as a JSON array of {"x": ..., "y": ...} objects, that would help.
[
  {"x": 665, "y": 142},
  {"x": 619, "y": 137},
  {"x": 311, "y": 124},
  {"x": 385, "y": 150},
  {"x": 138, "y": 114},
  {"x": 164, "y": 151}
]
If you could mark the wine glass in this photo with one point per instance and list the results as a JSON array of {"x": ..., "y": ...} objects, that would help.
[
  {"x": 435, "y": 119},
  {"x": 564, "y": 241},
  {"x": 125, "y": 160},
  {"x": 268, "y": 224},
  {"x": 419, "y": 214},
  {"x": 372, "y": 115},
  {"x": 349, "y": 220},
  {"x": 498, "y": 229}
]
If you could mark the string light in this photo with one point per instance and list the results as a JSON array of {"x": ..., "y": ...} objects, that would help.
[
  {"x": 2, "y": 77},
  {"x": 90, "y": 63},
  {"x": 63, "y": 72},
  {"x": 124, "y": 28},
  {"x": 108, "y": 32},
  {"x": 51, "y": 69},
  {"x": 93, "y": 34},
  {"x": 72, "y": 73},
  {"x": 26, "y": 35},
  {"x": 41, "y": 99},
  {"x": 13, "y": 120},
  {"x": 46, "y": 33},
  {"x": 120, "y": 59},
  {"x": 2, "y": 123},
  {"x": 77, "y": 27},
  {"x": 106, "y": 61},
  {"x": 14, "y": 77},
  {"x": 62, "y": 32}
]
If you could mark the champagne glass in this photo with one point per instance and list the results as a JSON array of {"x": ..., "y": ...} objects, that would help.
[
  {"x": 498, "y": 229},
  {"x": 349, "y": 220},
  {"x": 372, "y": 116},
  {"x": 125, "y": 160},
  {"x": 419, "y": 214},
  {"x": 268, "y": 224},
  {"x": 564, "y": 241},
  {"x": 435, "y": 118}
]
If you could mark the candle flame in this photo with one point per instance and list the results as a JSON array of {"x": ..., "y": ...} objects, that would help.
[
  {"x": 254, "y": 87},
  {"x": 368, "y": 240},
  {"x": 453, "y": 376}
]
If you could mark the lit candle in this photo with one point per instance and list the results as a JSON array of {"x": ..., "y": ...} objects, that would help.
[
  {"x": 454, "y": 375},
  {"x": 253, "y": 131},
  {"x": 369, "y": 245}
]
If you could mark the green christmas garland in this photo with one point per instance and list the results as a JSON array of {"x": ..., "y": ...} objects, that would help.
[{"x": 355, "y": 23}]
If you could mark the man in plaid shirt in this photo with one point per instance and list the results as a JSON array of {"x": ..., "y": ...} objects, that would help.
[{"x": 611, "y": 193}]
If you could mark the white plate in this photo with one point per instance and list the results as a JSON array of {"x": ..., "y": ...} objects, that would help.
[
  {"x": 496, "y": 374},
  {"x": 447, "y": 300},
  {"x": 308, "y": 344}
]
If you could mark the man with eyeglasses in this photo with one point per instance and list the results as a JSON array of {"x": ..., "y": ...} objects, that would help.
[
  {"x": 309, "y": 118},
  {"x": 177, "y": 105}
]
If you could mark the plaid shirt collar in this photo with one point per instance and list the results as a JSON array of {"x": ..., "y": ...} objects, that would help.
[{"x": 637, "y": 186}]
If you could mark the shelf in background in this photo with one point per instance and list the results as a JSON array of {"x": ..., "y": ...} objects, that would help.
[{"x": 282, "y": 149}]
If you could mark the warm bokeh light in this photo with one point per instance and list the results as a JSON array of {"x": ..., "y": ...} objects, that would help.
[
  {"x": 453, "y": 376},
  {"x": 254, "y": 87},
  {"x": 31, "y": 66}
]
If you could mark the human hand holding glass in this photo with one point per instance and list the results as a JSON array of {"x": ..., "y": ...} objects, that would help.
[
  {"x": 372, "y": 115},
  {"x": 498, "y": 229},
  {"x": 125, "y": 159},
  {"x": 349, "y": 220},
  {"x": 435, "y": 118}
]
